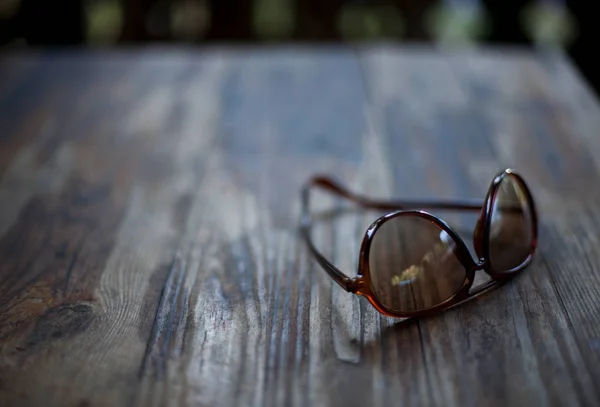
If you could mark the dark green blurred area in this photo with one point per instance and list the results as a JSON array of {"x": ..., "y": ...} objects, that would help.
[
  {"x": 113, "y": 21},
  {"x": 568, "y": 25}
]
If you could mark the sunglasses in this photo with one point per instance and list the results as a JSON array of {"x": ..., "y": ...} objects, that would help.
[{"x": 413, "y": 264}]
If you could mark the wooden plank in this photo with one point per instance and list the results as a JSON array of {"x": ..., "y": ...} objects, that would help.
[
  {"x": 517, "y": 345},
  {"x": 148, "y": 227},
  {"x": 84, "y": 265}
]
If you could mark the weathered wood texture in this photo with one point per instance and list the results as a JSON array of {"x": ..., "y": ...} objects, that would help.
[{"x": 148, "y": 211}]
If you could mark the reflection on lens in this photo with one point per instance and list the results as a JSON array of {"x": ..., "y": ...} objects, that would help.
[
  {"x": 511, "y": 231},
  {"x": 412, "y": 264}
]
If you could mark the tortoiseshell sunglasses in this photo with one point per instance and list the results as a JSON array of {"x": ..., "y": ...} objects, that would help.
[{"x": 412, "y": 264}]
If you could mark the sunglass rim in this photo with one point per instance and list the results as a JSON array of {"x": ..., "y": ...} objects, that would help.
[{"x": 363, "y": 283}]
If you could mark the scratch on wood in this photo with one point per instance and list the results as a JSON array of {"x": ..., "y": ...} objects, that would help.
[
  {"x": 71, "y": 265},
  {"x": 167, "y": 320}
]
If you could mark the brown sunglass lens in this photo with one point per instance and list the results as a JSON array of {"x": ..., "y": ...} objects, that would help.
[
  {"x": 412, "y": 264},
  {"x": 511, "y": 229}
]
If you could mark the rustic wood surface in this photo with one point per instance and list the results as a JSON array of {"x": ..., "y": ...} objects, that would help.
[{"x": 149, "y": 202}]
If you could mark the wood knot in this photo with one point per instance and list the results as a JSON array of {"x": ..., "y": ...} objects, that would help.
[{"x": 62, "y": 321}]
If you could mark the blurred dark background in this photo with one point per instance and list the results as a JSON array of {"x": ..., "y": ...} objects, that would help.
[{"x": 568, "y": 25}]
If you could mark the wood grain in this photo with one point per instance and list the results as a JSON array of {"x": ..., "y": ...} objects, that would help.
[{"x": 149, "y": 203}]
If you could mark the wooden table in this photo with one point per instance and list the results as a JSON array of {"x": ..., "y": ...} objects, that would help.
[{"x": 149, "y": 203}]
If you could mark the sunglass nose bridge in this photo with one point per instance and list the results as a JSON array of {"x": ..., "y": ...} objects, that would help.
[{"x": 480, "y": 265}]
